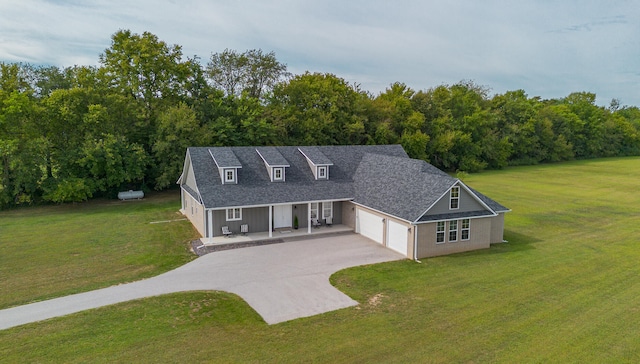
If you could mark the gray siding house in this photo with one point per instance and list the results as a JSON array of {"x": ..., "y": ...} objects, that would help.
[{"x": 404, "y": 204}]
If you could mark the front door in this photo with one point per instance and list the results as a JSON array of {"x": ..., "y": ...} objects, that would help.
[{"x": 281, "y": 216}]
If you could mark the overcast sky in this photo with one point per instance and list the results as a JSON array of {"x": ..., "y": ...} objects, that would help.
[{"x": 547, "y": 48}]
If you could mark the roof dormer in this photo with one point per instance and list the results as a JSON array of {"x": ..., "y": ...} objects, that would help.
[
  {"x": 227, "y": 163},
  {"x": 318, "y": 162},
  {"x": 274, "y": 161}
]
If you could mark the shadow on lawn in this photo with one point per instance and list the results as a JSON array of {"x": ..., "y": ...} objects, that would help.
[{"x": 515, "y": 242}]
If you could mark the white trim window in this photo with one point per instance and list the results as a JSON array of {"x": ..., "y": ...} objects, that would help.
[
  {"x": 453, "y": 230},
  {"x": 465, "y": 229},
  {"x": 234, "y": 214},
  {"x": 314, "y": 210},
  {"x": 440, "y": 232},
  {"x": 278, "y": 174},
  {"x": 229, "y": 175},
  {"x": 322, "y": 172},
  {"x": 327, "y": 209},
  {"x": 454, "y": 198}
]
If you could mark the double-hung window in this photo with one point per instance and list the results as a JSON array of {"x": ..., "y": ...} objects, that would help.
[
  {"x": 440, "y": 232},
  {"x": 278, "y": 174},
  {"x": 314, "y": 210},
  {"x": 465, "y": 229},
  {"x": 322, "y": 172},
  {"x": 234, "y": 214},
  {"x": 453, "y": 230},
  {"x": 454, "y": 198},
  {"x": 229, "y": 176},
  {"x": 327, "y": 209}
]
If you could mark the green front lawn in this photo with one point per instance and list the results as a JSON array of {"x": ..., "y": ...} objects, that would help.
[
  {"x": 565, "y": 289},
  {"x": 58, "y": 250}
]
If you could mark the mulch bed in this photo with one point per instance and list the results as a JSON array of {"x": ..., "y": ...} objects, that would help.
[{"x": 200, "y": 249}]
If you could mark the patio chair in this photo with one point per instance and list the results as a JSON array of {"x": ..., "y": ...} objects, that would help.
[
  {"x": 328, "y": 221},
  {"x": 315, "y": 223},
  {"x": 244, "y": 229},
  {"x": 226, "y": 232}
]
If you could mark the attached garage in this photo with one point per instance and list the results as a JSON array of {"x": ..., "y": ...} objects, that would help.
[
  {"x": 370, "y": 225},
  {"x": 397, "y": 237}
]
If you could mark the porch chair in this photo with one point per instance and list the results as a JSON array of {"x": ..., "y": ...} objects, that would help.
[
  {"x": 226, "y": 232},
  {"x": 244, "y": 229},
  {"x": 328, "y": 221},
  {"x": 315, "y": 223}
]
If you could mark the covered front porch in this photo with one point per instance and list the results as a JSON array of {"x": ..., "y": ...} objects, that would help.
[
  {"x": 278, "y": 234},
  {"x": 275, "y": 221}
]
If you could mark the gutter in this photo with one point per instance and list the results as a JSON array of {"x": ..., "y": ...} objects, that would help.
[{"x": 415, "y": 243}]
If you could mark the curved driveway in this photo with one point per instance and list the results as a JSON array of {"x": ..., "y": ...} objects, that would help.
[{"x": 280, "y": 281}]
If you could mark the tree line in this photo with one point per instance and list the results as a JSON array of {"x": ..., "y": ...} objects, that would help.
[{"x": 69, "y": 134}]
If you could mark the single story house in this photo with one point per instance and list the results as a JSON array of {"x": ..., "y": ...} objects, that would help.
[{"x": 402, "y": 203}]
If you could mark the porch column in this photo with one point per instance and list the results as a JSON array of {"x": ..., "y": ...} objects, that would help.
[
  {"x": 309, "y": 218},
  {"x": 209, "y": 215},
  {"x": 270, "y": 221}
]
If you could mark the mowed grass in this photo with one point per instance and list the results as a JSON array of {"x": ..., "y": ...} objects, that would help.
[
  {"x": 564, "y": 289},
  {"x": 58, "y": 250}
]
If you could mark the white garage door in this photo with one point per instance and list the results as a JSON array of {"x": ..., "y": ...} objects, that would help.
[
  {"x": 370, "y": 225},
  {"x": 397, "y": 237}
]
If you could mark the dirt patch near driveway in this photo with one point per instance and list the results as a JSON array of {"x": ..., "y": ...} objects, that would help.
[{"x": 200, "y": 249}]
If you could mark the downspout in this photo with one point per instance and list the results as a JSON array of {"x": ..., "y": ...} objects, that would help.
[
  {"x": 270, "y": 221},
  {"x": 209, "y": 217},
  {"x": 415, "y": 244},
  {"x": 309, "y": 218}
]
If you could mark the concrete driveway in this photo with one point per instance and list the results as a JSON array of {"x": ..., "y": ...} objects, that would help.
[{"x": 280, "y": 281}]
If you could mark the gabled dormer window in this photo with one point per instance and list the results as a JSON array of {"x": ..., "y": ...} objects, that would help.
[{"x": 454, "y": 198}]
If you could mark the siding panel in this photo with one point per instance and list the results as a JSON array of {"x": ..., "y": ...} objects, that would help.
[
  {"x": 337, "y": 212},
  {"x": 497, "y": 229},
  {"x": 191, "y": 178},
  {"x": 257, "y": 218},
  {"x": 349, "y": 214},
  {"x": 194, "y": 211},
  {"x": 467, "y": 203},
  {"x": 480, "y": 237},
  {"x": 302, "y": 211}
]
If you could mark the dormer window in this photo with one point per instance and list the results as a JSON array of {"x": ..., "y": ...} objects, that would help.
[
  {"x": 322, "y": 172},
  {"x": 318, "y": 162},
  {"x": 278, "y": 174},
  {"x": 227, "y": 163},
  {"x": 454, "y": 198},
  {"x": 229, "y": 176},
  {"x": 275, "y": 163}
]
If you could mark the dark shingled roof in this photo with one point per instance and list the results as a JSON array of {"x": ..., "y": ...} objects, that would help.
[
  {"x": 455, "y": 215},
  {"x": 224, "y": 157},
  {"x": 402, "y": 187},
  {"x": 316, "y": 156},
  {"x": 273, "y": 157},
  {"x": 255, "y": 188},
  {"x": 381, "y": 177},
  {"x": 495, "y": 206}
]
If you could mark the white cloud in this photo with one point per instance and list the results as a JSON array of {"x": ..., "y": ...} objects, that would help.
[{"x": 546, "y": 48}]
